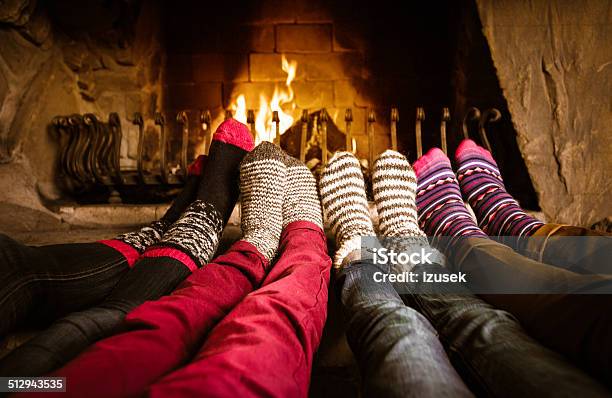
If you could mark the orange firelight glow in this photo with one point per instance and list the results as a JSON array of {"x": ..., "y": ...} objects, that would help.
[{"x": 282, "y": 101}]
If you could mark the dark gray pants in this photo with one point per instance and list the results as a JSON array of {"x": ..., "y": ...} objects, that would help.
[
  {"x": 576, "y": 323},
  {"x": 40, "y": 284},
  {"x": 401, "y": 354},
  {"x": 491, "y": 350},
  {"x": 397, "y": 349},
  {"x": 91, "y": 279}
]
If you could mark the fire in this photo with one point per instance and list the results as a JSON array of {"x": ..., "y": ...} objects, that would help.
[{"x": 281, "y": 101}]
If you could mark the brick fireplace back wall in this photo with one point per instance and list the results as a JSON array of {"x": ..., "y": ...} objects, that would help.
[{"x": 350, "y": 54}]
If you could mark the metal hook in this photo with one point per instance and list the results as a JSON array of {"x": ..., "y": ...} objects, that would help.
[
  {"x": 303, "y": 135},
  {"x": 323, "y": 120},
  {"x": 79, "y": 148},
  {"x": 205, "y": 119},
  {"x": 182, "y": 119},
  {"x": 160, "y": 120},
  {"x": 371, "y": 121},
  {"x": 394, "y": 120},
  {"x": 91, "y": 121},
  {"x": 139, "y": 121},
  {"x": 251, "y": 122},
  {"x": 348, "y": 119},
  {"x": 491, "y": 115},
  {"x": 420, "y": 116},
  {"x": 106, "y": 157},
  {"x": 445, "y": 119},
  {"x": 276, "y": 121},
  {"x": 61, "y": 124},
  {"x": 471, "y": 114},
  {"x": 114, "y": 124}
]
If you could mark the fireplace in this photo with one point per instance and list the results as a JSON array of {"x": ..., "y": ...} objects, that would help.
[
  {"x": 104, "y": 103},
  {"x": 370, "y": 75},
  {"x": 298, "y": 56}
]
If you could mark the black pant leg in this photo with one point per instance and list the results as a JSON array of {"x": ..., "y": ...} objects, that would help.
[{"x": 43, "y": 283}]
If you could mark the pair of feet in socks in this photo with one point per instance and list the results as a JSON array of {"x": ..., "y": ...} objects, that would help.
[
  {"x": 195, "y": 219},
  {"x": 437, "y": 198},
  {"x": 277, "y": 190},
  {"x": 345, "y": 205}
]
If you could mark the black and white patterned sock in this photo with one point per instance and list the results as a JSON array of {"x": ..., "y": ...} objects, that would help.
[
  {"x": 146, "y": 236},
  {"x": 394, "y": 186},
  {"x": 194, "y": 237},
  {"x": 263, "y": 177},
  {"x": 301, "y": 201},
  {"x": 345, "y": 204},
  {"x": 132, "y": 244}
]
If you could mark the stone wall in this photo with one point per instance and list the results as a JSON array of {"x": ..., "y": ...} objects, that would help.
[
  {"x": 554, "y": 64},
  {"x": 65, "y": 57}
]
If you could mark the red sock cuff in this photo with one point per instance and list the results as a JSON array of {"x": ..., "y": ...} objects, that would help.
[
  {"x": 235, "y": 133},
  {"x": 195, "y": 168},
  {"x": 127, "y": 251},
  {"x": 174, "y": 253}
]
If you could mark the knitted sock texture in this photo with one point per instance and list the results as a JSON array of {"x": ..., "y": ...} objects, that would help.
[
  {"x": 301, "y": 201},
  {"x": 219, "y": 181},
  {"x": 196, "y": 233},
  {"x": 146, "y": 236},
  {"x": 152, "y": 233},
  {"x": 498, "y": 213},
  {"x": 441, "y": 209},
  {"x": 189, "y": 191},
  {"x": 344, "y": 203},
  {"x": 394, "y": 188},
  {"x": 263, "y": 177}
]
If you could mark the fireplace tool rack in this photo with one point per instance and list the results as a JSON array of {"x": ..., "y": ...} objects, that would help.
[{"x": 90, "y": 148}]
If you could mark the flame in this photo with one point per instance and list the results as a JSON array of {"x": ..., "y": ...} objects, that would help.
[
  {"x": 281, "y": 101},
  {"x": 239, "y": 109}
]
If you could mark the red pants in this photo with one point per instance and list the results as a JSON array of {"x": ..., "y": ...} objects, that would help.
[{"x": 264, "y": 346}]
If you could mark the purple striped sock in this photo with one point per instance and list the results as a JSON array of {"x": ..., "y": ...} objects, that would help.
[
  {"x": 498, "y": 213},
  {"x": 441, "y": 209}
]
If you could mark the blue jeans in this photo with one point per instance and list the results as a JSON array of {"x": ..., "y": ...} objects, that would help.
[
  {"x": 397, "y": 349},
  {"x": 576, "y": 324},
  {"x": 489, "y": 347}
]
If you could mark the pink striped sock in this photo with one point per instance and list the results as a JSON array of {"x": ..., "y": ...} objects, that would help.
[
  {"x": 498, "y": 213},
  {"x": 438, "y": 198}
]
